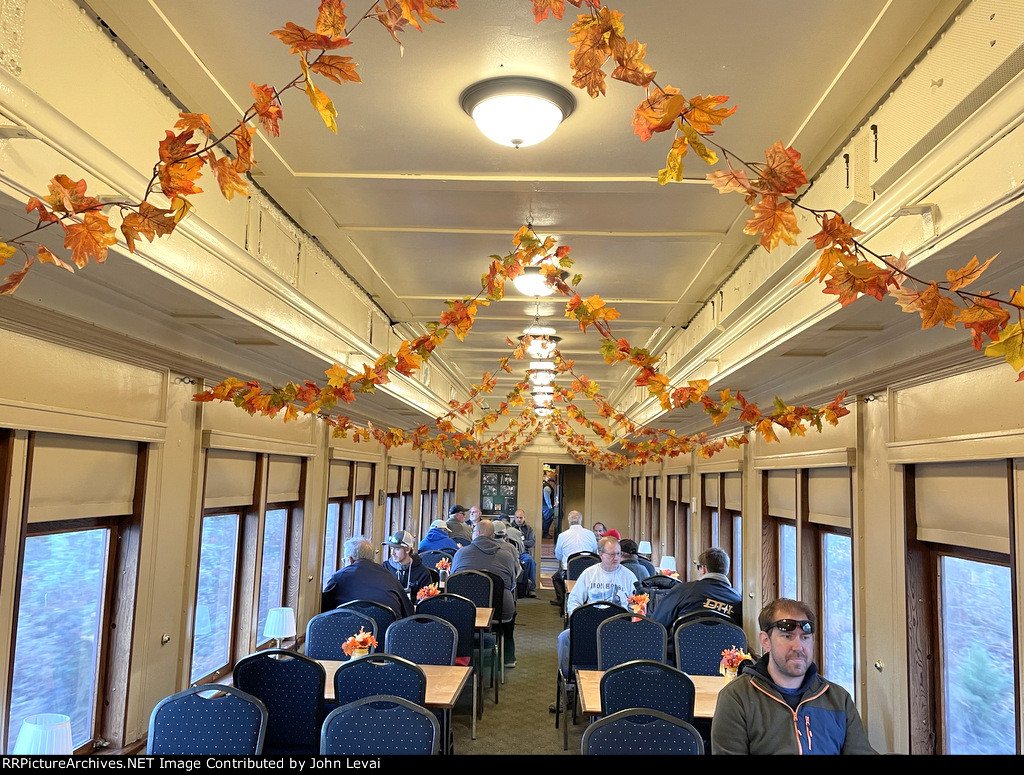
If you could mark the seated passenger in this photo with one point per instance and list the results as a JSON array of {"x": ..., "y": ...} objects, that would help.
[
  {"x": 486, "y": 554},
  {"x": 710, "y": 592},
  {"x": 631, "y": 561},
  {"x": 361, "y": 578},
  {"x": 407, "y": 566},
  {"x": 438, "y": 538},
  {"x": 782, "y": 705},
  {"x": 606, "y": 581},
  {"x": 462, "y": 533}
]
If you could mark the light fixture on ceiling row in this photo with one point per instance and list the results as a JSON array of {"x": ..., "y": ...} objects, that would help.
[
  {"x": 517, "y": 111},
  {"x": 541, "y": 373},
  {"x": 533, "y": 283},
  {"x": 543, "y": 341}
]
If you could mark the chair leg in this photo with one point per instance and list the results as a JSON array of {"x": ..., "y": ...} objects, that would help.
[
  {"x": 565, "y": 721},
  {"x": 558, "y": 697},
  {"x": 475, "y": 706}
]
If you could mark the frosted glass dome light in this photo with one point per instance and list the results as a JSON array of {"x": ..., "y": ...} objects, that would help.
[{"x": 516, "y": 111}]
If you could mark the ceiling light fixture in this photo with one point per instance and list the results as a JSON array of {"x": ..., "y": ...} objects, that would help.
[
  {"x": 542, "y": 411},
  {"x": 541, "y": 373},
  {"x": 543, "y": 341},
  {"x": 532, "y": 281},
  {"x": 517, "y": 111}
]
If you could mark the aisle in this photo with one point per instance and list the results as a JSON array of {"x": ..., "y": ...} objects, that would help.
[{"x": 521, "y": 724}]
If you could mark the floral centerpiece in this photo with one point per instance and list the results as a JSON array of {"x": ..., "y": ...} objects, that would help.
[
  {"x": 670, "y": 573},
  {"x": 444, "y": 564},
  {"x": 732, "y": 658},
  {"x": 638, "y": 604},
  {"x": 430, "y": 590},
  {"x": 359, "y": 644}
]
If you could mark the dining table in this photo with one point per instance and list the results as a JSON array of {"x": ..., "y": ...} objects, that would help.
[
  {"x": 444, "y": 685},
  {"x": 705, "y": 697}
]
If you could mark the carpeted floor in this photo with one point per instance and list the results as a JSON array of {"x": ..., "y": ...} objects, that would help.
[{"x": 520, "y": 723}]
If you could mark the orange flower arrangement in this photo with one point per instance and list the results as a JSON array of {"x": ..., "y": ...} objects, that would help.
[
  {"x": 430, "y": 590},
  {"x": 732, "y": 658},
  {"x": 444, "y": 564},
  {"x": 358, "y": 642},
  {"x": 638, "y": 604},
  {"x": 670, "y": 573}
]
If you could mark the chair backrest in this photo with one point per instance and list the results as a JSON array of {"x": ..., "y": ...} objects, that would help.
[
  {"x": 579, "y": 562},
  {"x": 233, "y": 723},
  {"x": 449, "y": 551},
  {"x": 292, "y": 687},
  {"x": 626, "y": 637},
  {"x": 431, "y": 556},
  {"x": 498, "y": 596},
  {"x": 583, "y": 624},
  {"x": 474, "y": 585},
  {"x": 457, "y": 611},
  {"x": 644, "y": 683},
  {"x": 640, "y": 731},
  {"x": 379, "y": 612},
  {"x": 380, "y": 725},
  {"x": 380, "y": 674},
  {"x": 327, "y": 632},
  {"x": 716, "y": 616},
  {"x": 699, "y": 644},
  {"x": 423, "y": 639}
]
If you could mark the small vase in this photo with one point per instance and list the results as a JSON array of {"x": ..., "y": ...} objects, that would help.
[
  {"x": 442, "y": 578},
  {"x": 357, "y": 653},
  {"x": 730, "y": 674}
]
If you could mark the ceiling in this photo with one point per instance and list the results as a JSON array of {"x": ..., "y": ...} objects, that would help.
[{"x": 410, "y": 199}]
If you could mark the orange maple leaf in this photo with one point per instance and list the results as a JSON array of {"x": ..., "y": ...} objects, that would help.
[
  {"x": 961, "y": 278},
  {"x": 268, "y": 108},
  {"x": 827, "y": 261},
  {"x": 46, "y": 257},
  {"x": 67, "y": 196},
  {"x": 936, "y": 308},
  {"x": 632, "y": 68},
  {"x": 89, "y": 239},
  {"x": 45, "y": 216},
  {"x": 774, "y": 220},
  {"x": 245, "y": 160},
  {"x": 703, "y": 114},
  {"x": 658, "y": 112},
  {"x": 193, "y": 121},
  {"x": 984, "y": 318},
  {"x": 836, "y": 232},
  {"x": 227, "y": 176},
  {"x": 175, "y": 147},
  {"x": 178, "y": 179},
  {"x": 592, "y": 37},
  {"x": 302, "y": 40},
  {"x": 14, "y": 279},
  {"x": 330, "y": 20},
  {"x": 782, "y": 172},
  {"x": 391, "y": 18},
  {"x": 149, "y": 222},
  {"x": 730, "y": 180},
  {"x": 338, "y": 69},
  {"x": 541, "y": 8},
  {"x": 852, "y": 277}
]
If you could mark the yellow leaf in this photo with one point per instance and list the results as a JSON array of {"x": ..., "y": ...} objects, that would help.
[
  {"x": 698, "y": 146},
  {"x": 6, "y": 252},
  {"x": 319, "y": 100},
  {"x": 1009, "y": 346}
]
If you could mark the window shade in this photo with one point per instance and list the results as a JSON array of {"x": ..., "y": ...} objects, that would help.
[
  {"x": 828, "y": 496},
  {"x": 782, "y": 493},
  {"x": 392, "y": 480},
  {"x": 337, "y": 487},
  {"x": 684, "y": 488},
  {"x": 733, "y": 490},
  {"x": 406, "y": 478},
  {"x": 964, "y": 504},
  {"x": 284, "y": 479},
  {"x": 364, "y": 478},
  {"x": 711, "y": 487},
  {"x": 76, "y": 477},
  {"x": 230, "y": 477}
]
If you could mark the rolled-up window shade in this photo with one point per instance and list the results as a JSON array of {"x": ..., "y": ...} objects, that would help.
[
  {"x": 75, "y": 477},
  {"x": 684, "y": 488},
  {"x": 782, "y": 493},
  {"x": 710, "y": 489},
  {"x": 652, "y": 486},
  {"x": 392, "y": 480},
  {"x": 828, "y": 496},
  {"x": 673, "y": 488},
  {"x": 733, "y": 490},
  {"x": 430, "y": 479},
  {"x": 964, "y": 504},
  {"x": 230, "y": 477},
  {"x": 337, "y": 487},
  {"x": 364, "y": 478},
  {"x": 407, "y": 479},
  {"x": 283, "y": 481}
]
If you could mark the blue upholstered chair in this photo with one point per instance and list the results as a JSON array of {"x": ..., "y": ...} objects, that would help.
[
  {"x": 645, "y": 683},
  {"x": 637, "y": 731},
  {"x": 292, "y": 687},
  {"x": 699, "y": 644},
  {"x": 461, "y": 614},
  {"x": 425, "y": 640},
  {"x": 380, "y": 674},
  {"x": 327, "y": 632},
  {"x": 583, "y": 624},
  {"x": 579, "y": 562},
  {"x": 380, "y": 725},
  {"x": 621, "y": 639},
  {"x": 187, "y": 724},
  {"x": 478, "y": 587},
  {"x": 379, "y": 612}
]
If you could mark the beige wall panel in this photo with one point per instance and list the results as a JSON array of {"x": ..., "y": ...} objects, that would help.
[
  {"x": 113, "y": 388},
  {"x": 986, "y": 400},
  {"x": 609, "y": 499},
  {"x": 325, "y": 285},
  {"x": 225, "y": 417}
]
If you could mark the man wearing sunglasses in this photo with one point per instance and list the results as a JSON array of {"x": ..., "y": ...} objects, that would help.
[{"x": 781, "y": 705}]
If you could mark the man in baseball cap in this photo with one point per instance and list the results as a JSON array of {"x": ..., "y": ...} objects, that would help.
[
  {"x": 405, "y": 563},
  {"x": 461, "y": 532}
]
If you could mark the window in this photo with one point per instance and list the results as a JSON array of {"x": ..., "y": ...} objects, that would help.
[
  {"x": 215, "y": 596},
  {"x": 636, "y": 504},
  {"x": 332, "y": 542},
  {"x": 399, "y": 499},
  {"x": 678, "y": 520},
  {"x": 77, "y": 568},
  {"x": 977, "y": 649},
  {"x": 273, "y": 565},
  {"x": 837, "y": 610},
  {"x": 787, "y": 557},
  {"x": 449, "y": 492},
  {"x": 652, "y": 516},
  {"x": 59, "y": 642},
  {"x": 430, "y": 492}
]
